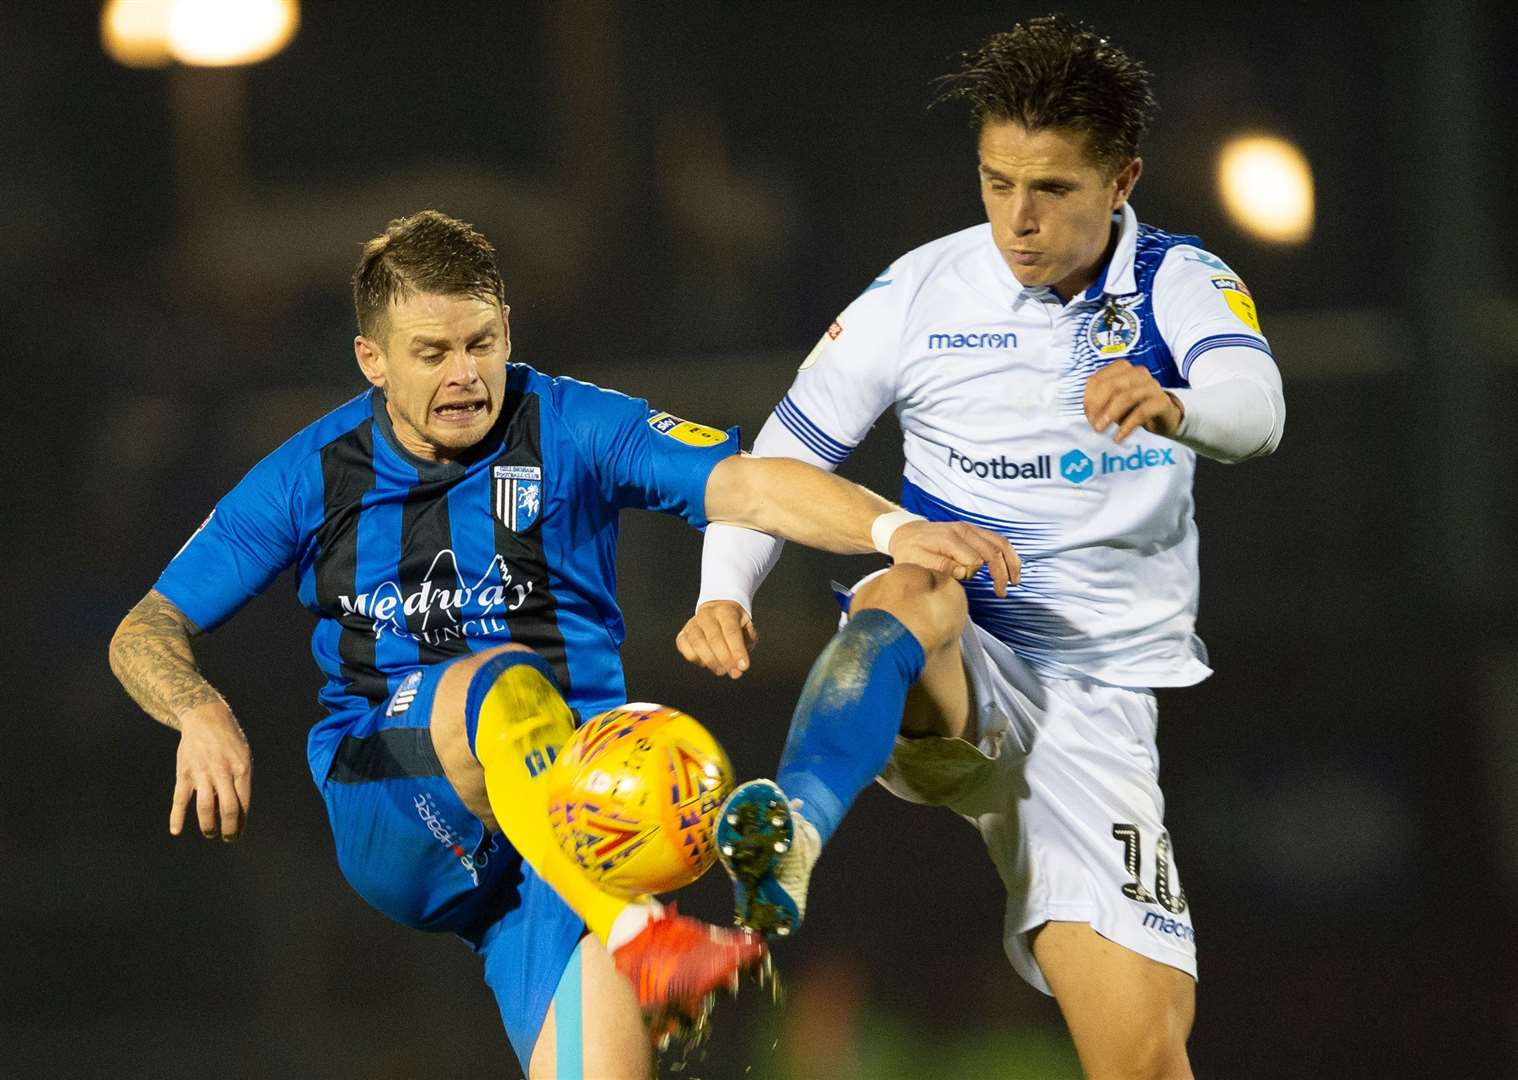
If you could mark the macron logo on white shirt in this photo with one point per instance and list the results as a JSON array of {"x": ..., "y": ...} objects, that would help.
[{"x": 993, "y": 339}]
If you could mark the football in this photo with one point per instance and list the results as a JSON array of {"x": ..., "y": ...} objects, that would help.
[{"x": 633, "y": 798}]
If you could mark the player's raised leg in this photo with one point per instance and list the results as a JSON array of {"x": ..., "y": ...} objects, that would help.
[
  {"x": 1129, "y": 1015},
  {"x": 895, "y": 666},
  {"x": 497, "y": 723}
]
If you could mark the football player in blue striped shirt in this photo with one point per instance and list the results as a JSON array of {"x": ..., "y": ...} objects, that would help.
[{"x": 453, "y": 529}]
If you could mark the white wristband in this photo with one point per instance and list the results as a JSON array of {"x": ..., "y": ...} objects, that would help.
[{"x": 884, "y": 527}]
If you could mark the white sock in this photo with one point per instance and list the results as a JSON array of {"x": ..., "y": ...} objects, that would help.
[{"x": 630, "y": 923}]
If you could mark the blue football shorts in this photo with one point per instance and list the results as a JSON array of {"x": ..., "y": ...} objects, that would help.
[{"x": 409, "y": 847}]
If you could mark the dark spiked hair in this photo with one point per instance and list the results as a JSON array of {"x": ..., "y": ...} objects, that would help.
[
  {"x": 1053, "y": 73},
  {"x": 426, "y": 252}
]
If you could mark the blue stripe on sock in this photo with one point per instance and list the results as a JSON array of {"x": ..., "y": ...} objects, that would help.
[
  {"x": 485, "y": 677},
  {"x": 845, "y": 725},
  {"x": 568, "y": 1024}
]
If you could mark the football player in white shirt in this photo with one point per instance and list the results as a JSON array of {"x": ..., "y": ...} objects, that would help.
[{"x": 1056, "y": 370}]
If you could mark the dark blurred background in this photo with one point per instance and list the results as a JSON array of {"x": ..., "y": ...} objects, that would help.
[{"x": 683, "y": 195}]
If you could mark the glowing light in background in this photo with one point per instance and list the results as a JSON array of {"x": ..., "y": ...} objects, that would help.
[
  {"x": 219, "y": 33},
  {"x": 136, "y": 32},
  {"x": 1266, "y": 186},
  {"x": 203, "y": 33}
]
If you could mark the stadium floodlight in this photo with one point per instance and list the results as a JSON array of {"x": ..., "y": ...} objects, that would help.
[
  {"x": 200, "y": 33},
  {"x": 1266, "y": 187},
  {"x": 222, "y": 33},
  {"x": 135, "y": 33}
]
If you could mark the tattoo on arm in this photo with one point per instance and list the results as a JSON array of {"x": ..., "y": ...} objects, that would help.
[{"x": 151, "y": 656}]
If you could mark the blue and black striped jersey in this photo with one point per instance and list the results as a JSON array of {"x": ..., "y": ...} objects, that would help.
[{"x": 407, "y": 562}]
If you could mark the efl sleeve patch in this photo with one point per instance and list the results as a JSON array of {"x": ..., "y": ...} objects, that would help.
[
  {"x": 822, "y": 344},
  {"x": 1239, "y": 300},
  {"x": 196, "y": 533},
  {"x": 1242, "y": 305},
  {"x": 686, "y": 431}
]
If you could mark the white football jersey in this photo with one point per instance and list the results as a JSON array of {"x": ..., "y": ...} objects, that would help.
[{"x": 987, "y": 379}]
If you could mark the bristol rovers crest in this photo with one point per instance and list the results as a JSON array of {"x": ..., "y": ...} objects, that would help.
[
  {"x": 1115, "y": 328},
  {"x": 518, "y": 495}
]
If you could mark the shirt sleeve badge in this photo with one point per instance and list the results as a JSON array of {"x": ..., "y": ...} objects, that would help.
[
  {"x": 686, "y": 431},
  {"x": 1239, "y": 299}
]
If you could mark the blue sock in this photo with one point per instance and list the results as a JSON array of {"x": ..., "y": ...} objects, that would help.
[{"x": 844, "y": 727}]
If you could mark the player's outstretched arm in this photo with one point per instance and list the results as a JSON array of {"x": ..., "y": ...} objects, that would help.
[
  {"x": 151, "y": 656},
  {"x": 796, "y": 501}
]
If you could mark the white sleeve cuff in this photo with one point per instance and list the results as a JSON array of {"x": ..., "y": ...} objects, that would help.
[
  {"x": 1234, "y": 408},
  {"x": 734, "y": 563},
  {"x": 734, "y": 560}
]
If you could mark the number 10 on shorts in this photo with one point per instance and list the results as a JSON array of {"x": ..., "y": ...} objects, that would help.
[{"x": 1167, "y": 894}]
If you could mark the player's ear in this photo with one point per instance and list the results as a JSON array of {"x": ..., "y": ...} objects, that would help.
[
  {"x": 370, "y": 360},
  {"x": 1127, "y": 177},
  {"x": 506, "y": 327}
]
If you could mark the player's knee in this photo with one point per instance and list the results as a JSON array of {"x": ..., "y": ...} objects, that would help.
[
  {"x": 465, "y": 669},
  {"x": 454, "y": 685},
  {"x": 450, "y": 722},
  {"x": 1153, "y": 1056},
  {"x": 1154, "y": 1048},
  {"x": 930, "y": 604}
]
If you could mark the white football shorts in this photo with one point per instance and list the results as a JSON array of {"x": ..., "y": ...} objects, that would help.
[{"x": 1063, "y": 784}]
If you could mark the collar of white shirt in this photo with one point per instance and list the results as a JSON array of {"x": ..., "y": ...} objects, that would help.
[{"x": 1116, "y": 278}]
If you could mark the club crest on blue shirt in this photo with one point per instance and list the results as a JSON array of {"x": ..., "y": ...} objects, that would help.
[
  {"x": 518, "y": 495},
  {"x": 1115, "y": 329}
]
